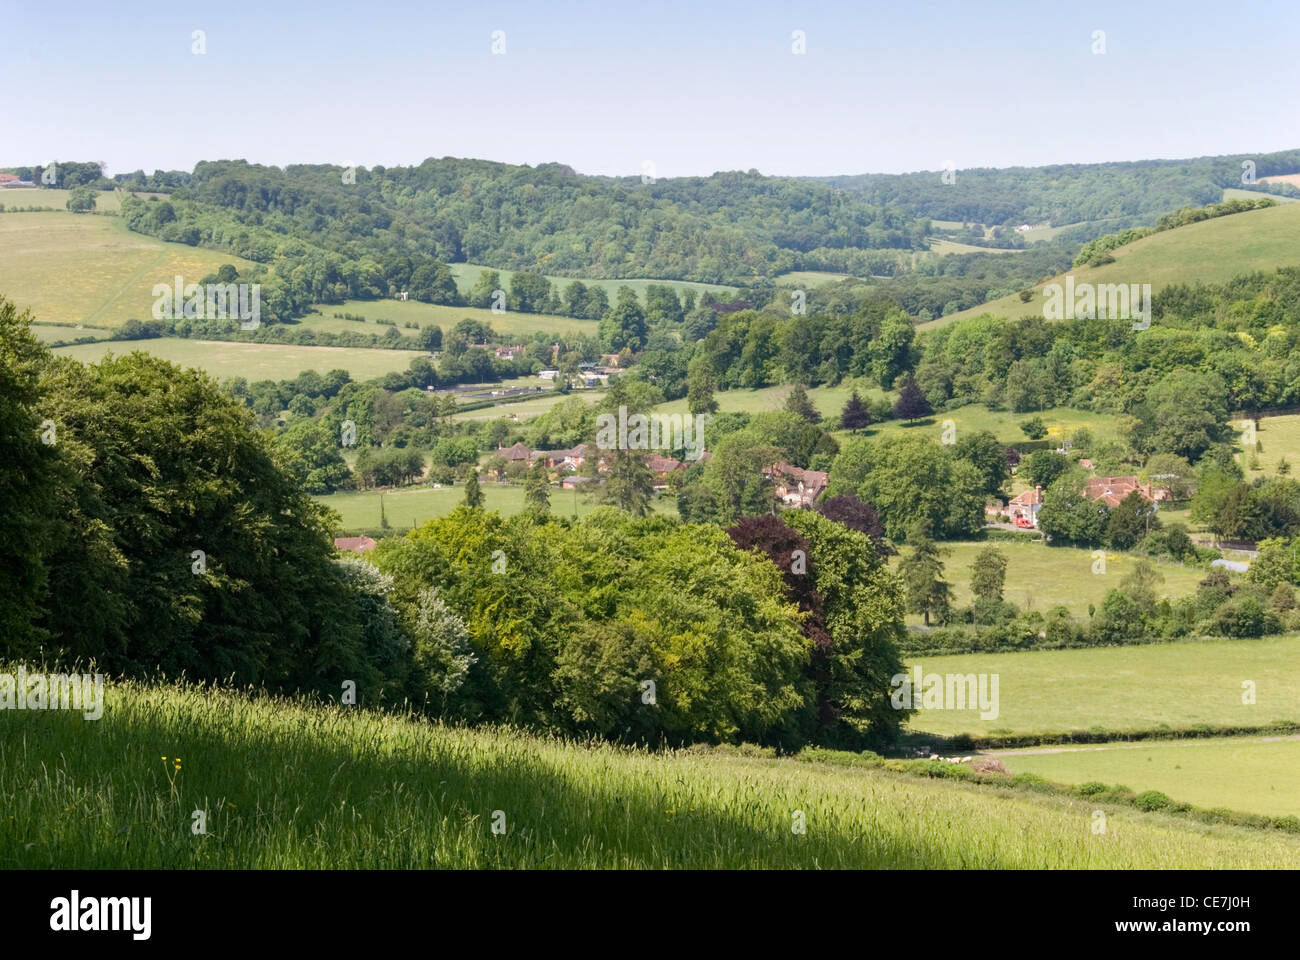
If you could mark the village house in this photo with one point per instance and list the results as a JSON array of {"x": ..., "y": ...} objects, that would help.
[
  {"x": 663, "y": 468},
  {"x": 515, "y": 453},
  {"x": 1111, "y": 490},
  {"x": 1026, "y": 506},
  {"x": 796, "y": 486},
  {"x": 354, "y": 544}
]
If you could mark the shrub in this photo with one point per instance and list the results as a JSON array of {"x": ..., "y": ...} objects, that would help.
[{"x": 1151, "y": 800}]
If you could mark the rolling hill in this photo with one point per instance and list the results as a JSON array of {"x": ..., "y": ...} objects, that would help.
[{"x": 1210, "y": 251}]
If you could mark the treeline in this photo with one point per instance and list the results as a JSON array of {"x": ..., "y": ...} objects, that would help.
[
  {"x": 723, "y": 229},
  {"x": 1129, "y": 193}
]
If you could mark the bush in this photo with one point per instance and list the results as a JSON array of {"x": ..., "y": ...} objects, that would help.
[
  {"x": 1092, "y": 788},
  {"x": 1150, "y": 800}
]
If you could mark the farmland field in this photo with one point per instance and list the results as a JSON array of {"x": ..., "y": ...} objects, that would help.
[
  {"x": 254, "y": 361},
  {"x": 415, "y": 505},
  {"x": 467, "y": 274},
  {"x": 1278, "y": 439},
  {"x": 86, "y": 269},
  {"x": 1040, "y": 577},
  {"x": 828, "y": 400},
  {"x": 526, "y": 409},
  {"x": 1147, "y": 687},
  {"x": 1232, "y": 193},
  {"x": 1250, "y": 774},
  {"x": 362, "y": 789},
  {"x": 1061, "y": 422},
  {"x": 1210, "y": 251},
  {"x": 510, "y": 323}
]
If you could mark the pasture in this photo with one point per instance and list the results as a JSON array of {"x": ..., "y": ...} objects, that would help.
[
  {"x": 829, "y": 401},
  {"x": 1210, "y": 251},
  {"x": 1040, "y": 577},
  {"x": 1248, "y": 774},
  {"x": 510, "y": 323},
  {"x": 92, "y": 270},
  {"x": 1278, "y": 439},
  {"x": 1150, "y": 687},
  {"x": 296, "y": 785},
  {"x": 467, "y": 274},
  {"x": 411, "y": 506},
  {"x": 254, "y": 361},
  {"x": 1061, "y": 423}
]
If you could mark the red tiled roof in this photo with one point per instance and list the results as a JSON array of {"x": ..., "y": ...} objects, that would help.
[
  {"x": 516, "y": 452},
  {"x": 355, "y": 544},
  {"x": 1111, "y": 490}
]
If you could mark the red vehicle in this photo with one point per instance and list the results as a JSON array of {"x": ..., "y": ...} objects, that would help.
[{"x": 1024, "y": 522}]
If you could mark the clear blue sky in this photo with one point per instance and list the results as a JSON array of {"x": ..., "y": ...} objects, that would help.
[{"x": 692, "y": 87}]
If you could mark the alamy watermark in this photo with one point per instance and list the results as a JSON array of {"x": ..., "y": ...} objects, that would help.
[
  {"x": 1089, "y": 301},
  {"x": 950, "y": 691},
  {"x": 209, "y": 301},
  {"x": 53, "y": 691}
]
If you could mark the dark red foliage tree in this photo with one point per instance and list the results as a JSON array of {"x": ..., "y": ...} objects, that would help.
[
  {"x": 856, "y": 416},
  {"x": 911, "y": 403},
  {"x": 856, "y": 515}
]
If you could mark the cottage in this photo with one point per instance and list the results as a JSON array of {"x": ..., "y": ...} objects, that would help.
[
  {"x": 1026, "y": 506},
  {"x": 796, "y": 486},
  {"x": 516, "y": 453},
  {"x": 1111, "y": 490},
  {"x": 354, "y": 544}
]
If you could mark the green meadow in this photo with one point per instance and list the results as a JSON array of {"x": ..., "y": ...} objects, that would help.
[
  {"x": 412, "y": 506},
  {"x": 74, "y": 269},
  {"x": 254, "y": 361},
  {"x": 467, "y": 274},
  {"x": 510, "y": 323},
  {"x": 1040, "y": 577},
  {"x": 1248, "y": 774},
  {"x": 1151, "y": 687},
  {"x": 293, "y": 785},
  {"x": 1210, "y": 251},
  {"x": 1061, "y": 423}
]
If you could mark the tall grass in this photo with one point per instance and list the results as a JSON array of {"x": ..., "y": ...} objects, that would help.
[{"x": 291, "y": 784}]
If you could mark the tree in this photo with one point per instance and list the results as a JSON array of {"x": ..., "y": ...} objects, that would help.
[
  {"x": 473, "y": 495},
  {"x": 537, "y": 488},
  {"x": 911, "y": 403},
  {"x": 701, "y": 381},
  {"x": 81, "y": 200},
  {"x": 529, "y": 292},
  {"x": 30, "y": 482},
  {"x": 1034, "y": 428},
  {"x": 1044, "y": 466},
  {"x": 483, "y": 293},
  {"x": 1130, "y": 520},
  {"x": 988, "y": 575},
  {"x": 443, "y": 655},
  {"x": 430, "y": 338},
  {"x": 922, "y": 572},
  {"x": 624, "y": 324},
  {"x": 798, "y": 403},
  {"x": 848, "y": 510},
  {"x": 629, "y": 485},
  {"x": 1068, "y": 515},
  {"x": 982, "y": 450},
  {"x": 910, "y": 478},
  {"x": 855, "y": 415}
]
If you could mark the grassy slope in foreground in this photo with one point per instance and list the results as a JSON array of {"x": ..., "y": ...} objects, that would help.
[
  {"x": 287, "y": 785},
  {"x": 1255, "y": 774},
  {"x": 1209, "y": 252},
  {"x": 1178, "y": 685}
]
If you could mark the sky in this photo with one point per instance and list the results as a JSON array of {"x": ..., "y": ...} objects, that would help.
[{"x": 666, "y": 88}]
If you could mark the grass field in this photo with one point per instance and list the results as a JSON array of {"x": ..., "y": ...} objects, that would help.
[
  {"x": 467, "y": 274},
  {"x": 49, "y": 333},
  {"x": 255, "y": 361},
  {"x": 50, "y": 199},
  {"x": 810, "y": 278},
  {"x": 293, "y": 785},
  {"x": 416, "y": 505},
  {"x": 92, "y": 270},
  {"x": 1250, "y": 774},
  {"x": 1278, "y": 439},
  {"x": 1147, "y": 687},
  {"x": 527, "y": 409},
  {"x": 944, "y": 247},
  {"x": 1210, "y": 252},
  {"x": 511, "y": 323},
  {"x": 1232, "y": 193},
  {"x": 1061, "y": 422},
  {"x": 1040, "y": 577}
]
